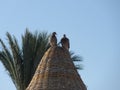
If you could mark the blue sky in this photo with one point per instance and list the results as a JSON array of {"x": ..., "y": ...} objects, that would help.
[{"x": 93, "y": 27}]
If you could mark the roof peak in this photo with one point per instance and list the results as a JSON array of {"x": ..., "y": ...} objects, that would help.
[{"x": 56, "y": 71}]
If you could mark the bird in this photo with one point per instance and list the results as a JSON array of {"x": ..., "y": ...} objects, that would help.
[
  {"x": 65, "y": 42},
  {"x": 53, "y": 40}
]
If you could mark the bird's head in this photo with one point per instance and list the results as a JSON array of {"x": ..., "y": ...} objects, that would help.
[
  {"x": 54, "y": 33},
  {"x": 64, "y": 35}
]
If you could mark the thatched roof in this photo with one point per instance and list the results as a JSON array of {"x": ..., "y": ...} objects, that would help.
[{"x": 56, "y": 71}]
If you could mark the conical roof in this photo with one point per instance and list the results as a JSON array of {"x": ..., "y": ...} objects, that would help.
[{"x": 56, "y": 71}]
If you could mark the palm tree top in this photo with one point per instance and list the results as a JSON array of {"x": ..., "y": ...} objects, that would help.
[{"x": 21, "y": 60}]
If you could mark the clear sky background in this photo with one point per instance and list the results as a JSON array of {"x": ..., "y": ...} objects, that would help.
[{"x": 93, "y": 27}]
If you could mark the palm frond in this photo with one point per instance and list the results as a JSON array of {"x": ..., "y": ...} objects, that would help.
[
  {"x": 76, "y": 59},
  {"x": 14, "y": 47},
  {"x": 7, "y": 60},
  {"x": 27, "y": 46},
  {"x": 34, "y": 47}
]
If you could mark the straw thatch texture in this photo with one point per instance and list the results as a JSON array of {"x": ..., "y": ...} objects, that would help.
[{"x": 56, "y": 71}]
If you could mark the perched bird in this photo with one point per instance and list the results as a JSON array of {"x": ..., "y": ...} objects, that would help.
[
  {"x": 65, "y": 42},
  {"x": 53, "y": 40}
]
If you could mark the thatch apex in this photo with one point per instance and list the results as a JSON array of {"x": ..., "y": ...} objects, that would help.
[{"x": 56, "y": 71}]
